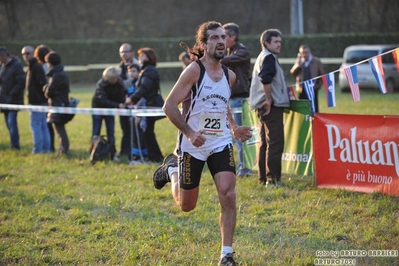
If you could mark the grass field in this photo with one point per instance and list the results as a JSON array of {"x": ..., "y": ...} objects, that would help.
[{"x": 65, "y": 211}]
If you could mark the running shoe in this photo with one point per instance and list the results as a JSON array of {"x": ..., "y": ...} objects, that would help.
[
  {"x": 227, "y": 260},
  {"x": 161, "y": 176}
]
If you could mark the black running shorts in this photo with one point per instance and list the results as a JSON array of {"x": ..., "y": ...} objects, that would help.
[{"x": 190, "y": 168}]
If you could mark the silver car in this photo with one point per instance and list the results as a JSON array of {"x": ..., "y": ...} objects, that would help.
[{"x": 355, "y": 54}]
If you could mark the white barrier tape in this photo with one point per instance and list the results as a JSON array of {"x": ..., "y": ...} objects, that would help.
[{"x": 91, "y": 111}]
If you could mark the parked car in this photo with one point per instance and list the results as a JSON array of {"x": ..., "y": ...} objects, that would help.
[{"x": 357, "y": 53}]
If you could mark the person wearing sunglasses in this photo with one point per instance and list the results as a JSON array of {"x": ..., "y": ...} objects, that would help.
[{"x": 126, "y": 54}]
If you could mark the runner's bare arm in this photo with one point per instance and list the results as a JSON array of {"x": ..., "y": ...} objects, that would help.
[
  {"x": 178, "y": 94},
  {"x": 233, "y": 125}
]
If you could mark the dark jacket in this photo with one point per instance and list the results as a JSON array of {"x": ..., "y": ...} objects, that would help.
[
  {"x": 12, "y": 82},
  {"x": 148, "y": 85},
  {"x": 57, "y": 92},
  {"x": 124, "y": 72},
  {"x": 316, "y": 69},
  {"x": 108, "y": 95},
  {"x": 239, "y": 61},
  {"x": 36, "y": 79}
]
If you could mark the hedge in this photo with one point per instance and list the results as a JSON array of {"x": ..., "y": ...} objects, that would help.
[{"x": 106, "y": 51}]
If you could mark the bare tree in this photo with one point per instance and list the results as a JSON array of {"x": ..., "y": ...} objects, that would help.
[
  {"x": 12, "y": 19},
  {"x": 104, "y": 19}
]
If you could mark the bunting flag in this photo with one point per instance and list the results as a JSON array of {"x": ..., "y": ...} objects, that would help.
[
  {"x": 309, "y": 89},
  {"x": 395, "y": 54},
  {"x": 329, "y": 87},
  {"x": 378, "y": 71},
  {"x": 291, "y": 93},
  {"x": 351, "y": 75}
]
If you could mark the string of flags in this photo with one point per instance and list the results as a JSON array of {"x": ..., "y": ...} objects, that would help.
[{"x": 351, "y": 75}]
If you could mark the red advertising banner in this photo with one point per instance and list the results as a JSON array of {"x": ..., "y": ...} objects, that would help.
[{"x": 357, "y": 152}]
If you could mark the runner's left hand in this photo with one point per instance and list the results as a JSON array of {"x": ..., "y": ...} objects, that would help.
[{"x": 243, "y": 133}]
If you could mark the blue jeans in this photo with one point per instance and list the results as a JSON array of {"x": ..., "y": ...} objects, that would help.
[
  {"x": 109, "y": 125},
  {"x": 139, "y": 149},
  {"x": 234, "y": 103},
  {"x": 11, "y": 121},
  {"x": 41, "y": 135}
]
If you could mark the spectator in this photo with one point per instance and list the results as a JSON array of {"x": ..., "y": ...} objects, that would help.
[
  {"x": 148, "y": 87},
  {"x": 307, "y": 67},
  {"x": 137, "y": 124},
  {"x": 269, "y": 97},
  {"x": 133, "y": 72},
  {"x": 110, "y": 93},
  {"x": 239, "y": 61},
  {"x": 40, "y": 52},
  {"x": 35, "y": 80},
  {"x": 12, "y": 84},
  {"x": 127, "y": 55},
  {"x": 57, "y": 93},
  {"x": 185, "y": 59}
]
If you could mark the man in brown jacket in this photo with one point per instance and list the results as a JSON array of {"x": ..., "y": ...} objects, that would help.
[{"x": 307, "y": 67}]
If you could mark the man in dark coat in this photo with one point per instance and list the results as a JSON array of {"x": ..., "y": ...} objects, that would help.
[
  {"x": 35, "y": 80},
  {"x": 238, "y": 60},
  {"x": 307, "y": 67},
  {"x": 127, "y": 55},
  {"x": 12, "y": 84}
]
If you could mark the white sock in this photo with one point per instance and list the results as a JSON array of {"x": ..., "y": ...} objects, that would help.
[
  {"x": 171, "y": 170},
  {"x": 225, "y": 250}
]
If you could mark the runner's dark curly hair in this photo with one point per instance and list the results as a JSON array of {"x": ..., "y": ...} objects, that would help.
[{"x": 201, "y": 37}]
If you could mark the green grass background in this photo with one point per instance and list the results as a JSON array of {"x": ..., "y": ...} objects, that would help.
[{"x": 65, "y": 211}]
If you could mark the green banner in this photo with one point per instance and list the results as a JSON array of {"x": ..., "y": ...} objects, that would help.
[
  {"x": 297, "y": 156},
  {"x": 250, "y": 147},
  {"x": 298, "y": 151}
]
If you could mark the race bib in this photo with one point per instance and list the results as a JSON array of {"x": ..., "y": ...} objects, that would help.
[{"x": 213, "y": 123}]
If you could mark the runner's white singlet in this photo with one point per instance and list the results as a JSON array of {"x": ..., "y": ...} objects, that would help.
[{"x": 208, "y": 111}]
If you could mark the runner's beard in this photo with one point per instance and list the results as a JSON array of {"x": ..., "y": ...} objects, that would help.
[{"x": 219, "y": 56}]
